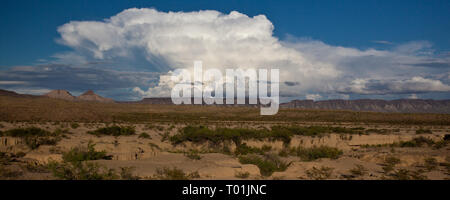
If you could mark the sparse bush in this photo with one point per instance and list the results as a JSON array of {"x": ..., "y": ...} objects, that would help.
[
  {"x": 126, "y": 173},
  {"x": 6, "y": 158},
  {"x": 174, "y": 174},
  {"x": 430, "y": 163},
  {"x": 81, "y": 171},
  {"x": 266, "y": 148},
  {"x": 446, "y": 137},
  {"x": 440, "y": 144},
  {"x": 20, "y": 154},
  {"x": 160, "y": 128},
  {"x": 415, "y": 142},
  {"x": 152, "y": 145},
  {"x": 59, "y": 131},
  {"x": 226, "y": 150},
  {"x": 27, "y": 132},
  {"x": 321, "y": 173},
  {"x": 200, "y": 134},
  {"x": 165, "y": 136},
  {"x": 35, "y": 142},
  {"x": 359, "y": 170},
  {"x": 242, "y": 175},
  {"x": 389, "y": 163},
  {"x": 193, "y": 154},
  {"x": 145, "y": 136},
  {"x": 36, "y": 168},
  {"x": 243, "y": 149},
  {"x": 267, "y": 165},
  {"x": 314, "y": 153},
  {"x": 74, "y": 125},
  {"x": 424, "y": 131},
  {"x": 75, "y": 166},
  {"x": 114, "y": 131},
  {"x": 6, "y": 173},
  {"x": 151, "y": 127},
  {"x": 404, "y": 174},
  {"x": 284, "y": 152},
  {"x": 377, "y": 131},
  {"x": 79, "y": 154},
  {"x": 35, "y": 137}
]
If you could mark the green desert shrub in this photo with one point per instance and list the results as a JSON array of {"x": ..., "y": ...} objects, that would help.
[
  {"x": 126, "y": 173},
  {"x": 377, "y": 131},
  {"x": 446, "y": 137},
  {"x": 243, "y": 149},
  {"x": 314, "y": 153},
  {"x": 193, "y": 154},
  {"x": 76, "y": 166},
  {"x": 27, "y": 132},
  {"x": 424, "y": 131},
  {"x": 267, "y": 164},
  {"x": 81, "y": 171},
  {"x": 145, "y": 136},
  {"x": 415, "y": 142},
  {"x": 199, "y": 134},
  {"x": 440, "y": 144},
  {"x": 35, "y": 137},
  {"x": 153, "y": 145},
  {"x": 74, "y": 125},
  {"x": 9, "y": 174},
  {"x": 79, "y": 154},
  {"x": 316, "y": 130},
  {"x": 389, "y": 163},
  {"x": 114, "y": 131},
  {"x": 404, "y": 174},
  {"x": 321, "y": 173},
  {"x": 242, "y": 175},
  {"x": 35, "y": 142},
  {"x": 174, "y": 174},
  {"x": 430, "y": 163},
  {"x": 358, "y": 170}
]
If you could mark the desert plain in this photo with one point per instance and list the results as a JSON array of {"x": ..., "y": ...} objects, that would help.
[{"x": 44, "y": 138}]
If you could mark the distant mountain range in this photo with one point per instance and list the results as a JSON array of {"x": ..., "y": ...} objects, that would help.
[
  {"x": 399, "y": 105},
  {"x": 376, "y": 105},
  {"x": 61, "y": 94},
  {"x": 87, "y": 96}
]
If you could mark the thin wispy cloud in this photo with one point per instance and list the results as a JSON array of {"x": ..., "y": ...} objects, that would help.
[{"x": 383, "y": 42}]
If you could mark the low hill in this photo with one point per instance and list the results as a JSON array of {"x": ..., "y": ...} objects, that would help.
[
  {"x": 91, "y": 96},
  {"x": 60, "y": 94}
]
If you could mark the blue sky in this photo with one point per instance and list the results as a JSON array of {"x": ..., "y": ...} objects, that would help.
[{"x": 29, "y": 35}]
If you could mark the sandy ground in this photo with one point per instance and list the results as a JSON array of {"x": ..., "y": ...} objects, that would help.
[{"x": 146, "y": 155}]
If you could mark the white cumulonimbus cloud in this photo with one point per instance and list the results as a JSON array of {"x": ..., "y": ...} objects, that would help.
[{"x": 235, "y": 40}]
